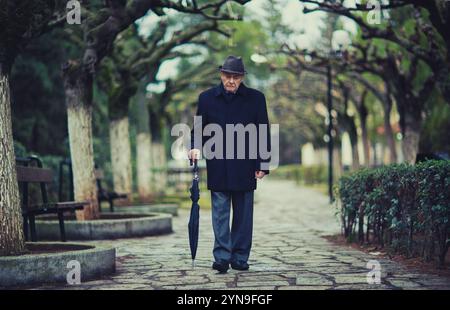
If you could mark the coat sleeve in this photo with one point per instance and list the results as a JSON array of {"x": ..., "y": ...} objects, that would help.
[
  {"x": 263, "y": 119},
  {"x": 197, "y": 124}
]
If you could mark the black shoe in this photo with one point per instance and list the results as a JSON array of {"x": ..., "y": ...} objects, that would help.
[
  {"x": 239, "y": 265},
  {"x": 221, "y": 267}
]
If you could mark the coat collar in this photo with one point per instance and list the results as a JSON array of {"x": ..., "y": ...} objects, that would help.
[{"x": 220, "y": 90}]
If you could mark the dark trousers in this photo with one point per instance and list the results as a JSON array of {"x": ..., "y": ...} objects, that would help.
[{"x": 235, "y": 245}]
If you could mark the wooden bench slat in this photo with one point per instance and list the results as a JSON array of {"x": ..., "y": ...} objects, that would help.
[
  {"x": 40, "y": 175},
  {"x": 59, "y": 205},
  {"x": 72, "y": 203},
  {"x": 51, "y": 210},
  {"x": 104, "y": 194},
  {"x": 39, "y": 211},
  {"x": 33, "y": 174},
  {"x": 115, "y": 195},
  {"x": 111, "y": 195}
]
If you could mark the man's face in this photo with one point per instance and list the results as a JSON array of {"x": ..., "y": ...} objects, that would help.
[{"x": 231, "y": 81}]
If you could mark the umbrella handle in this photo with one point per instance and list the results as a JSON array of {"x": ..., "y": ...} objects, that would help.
[
  {"x": 195, "y": 163},
  {"x": 195, "y": 170}
]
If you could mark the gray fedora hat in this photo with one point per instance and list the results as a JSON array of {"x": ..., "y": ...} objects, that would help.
[{"x": 234, "y": 65}]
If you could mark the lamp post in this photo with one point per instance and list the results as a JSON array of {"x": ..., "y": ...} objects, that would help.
[
  {"x": 329, "y": 131},
  {"x": 339, "y": 42}
]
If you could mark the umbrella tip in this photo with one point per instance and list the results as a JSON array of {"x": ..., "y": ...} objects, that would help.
[{"x": 193, "y": 263}]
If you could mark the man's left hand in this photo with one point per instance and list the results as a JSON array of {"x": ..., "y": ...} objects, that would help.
[{"x": 259, "y": 174}]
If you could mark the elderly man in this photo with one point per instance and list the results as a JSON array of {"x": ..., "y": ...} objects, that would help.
[{"x": 232, "y": 180}]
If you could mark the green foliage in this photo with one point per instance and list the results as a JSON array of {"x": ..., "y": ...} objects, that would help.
[
  {"x": 310, "y": 175},
  {"x": 20, "y": 21},
  {"x": 436, "y": 128},
  {"x": 37, "y": 98},
  {"x": 433, "y": 197},
  {"x": 247, "y": 38},
  {"x": 19, "y": 149},
  {"x": 403, "y": 207}
]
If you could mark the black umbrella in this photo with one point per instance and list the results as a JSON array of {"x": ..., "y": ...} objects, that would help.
[{"x": 195, "y": 213}]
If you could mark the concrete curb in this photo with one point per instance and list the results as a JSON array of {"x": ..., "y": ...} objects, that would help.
[
  {"x": 139, "y": 225},
  {"x": 169, "y": 208},
  {"x": 32, "y": 269}
]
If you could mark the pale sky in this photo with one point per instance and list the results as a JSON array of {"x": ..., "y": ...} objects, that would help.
[{"x": 293, "y": 17}]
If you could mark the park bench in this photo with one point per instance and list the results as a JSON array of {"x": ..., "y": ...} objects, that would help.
[
  {"x": 27, "y": 175},
  {"x": 105, "y": 195},
  {"x": 102, "y": 193}
]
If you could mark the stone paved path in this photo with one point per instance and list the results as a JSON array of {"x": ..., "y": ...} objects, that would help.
[{"x": 288, "y": 253}]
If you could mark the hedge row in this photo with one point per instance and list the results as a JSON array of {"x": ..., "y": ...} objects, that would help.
[
  {"x": 301, "y": 174},
  {"x": 405, "y": 208}
]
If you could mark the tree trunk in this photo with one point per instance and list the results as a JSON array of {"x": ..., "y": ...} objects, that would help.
[
  {"x": 153, "y": 167},
  {"x": 355, "y": 156},
  {"x": 78, "y": 90},
  {"x": 160, "y": 176},
  {"x": 119, "y": 136},
  {"x": 163, "y": 164},
  {"x": 362, "y": 113},
  {"x": 410, "y": 111},
  {"x": 11, "y": 233},
  {"x": 387, "y": 106},
  {"x": 365, "y": 140},
  {"x": 390, "y": 140},
  {"x": 143, "y": 151},
  {"x": 353, "y": 134},
  {"x": 143, "y": 161},
  {"x": 337, "y": 163},
  {"x": 410, "y": 142}
]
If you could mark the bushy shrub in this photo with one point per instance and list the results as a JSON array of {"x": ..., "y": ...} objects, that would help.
[
  {"x": 433, "y": 197},
  {"x": 402, "y": 207},
  {"x": 305, "y": 175}
]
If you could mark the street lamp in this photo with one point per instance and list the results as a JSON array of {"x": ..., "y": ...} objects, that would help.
[
  {"x": 340, "y": 41},
  {"x": 258, "y": 58}
]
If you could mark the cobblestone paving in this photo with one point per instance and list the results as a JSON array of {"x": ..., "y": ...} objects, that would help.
[{"x": 288, "y": 253}]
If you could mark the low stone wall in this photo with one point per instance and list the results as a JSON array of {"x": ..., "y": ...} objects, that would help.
[
  {"x": 168, "y": 208},
  {"x": 47, "y": 262},
  {"x": 110, "y": 226}
]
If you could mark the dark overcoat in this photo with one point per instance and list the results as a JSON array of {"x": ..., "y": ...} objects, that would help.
[{"x": 248, "y": 106}]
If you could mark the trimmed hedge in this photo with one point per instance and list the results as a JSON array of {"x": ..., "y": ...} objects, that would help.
[
  {"x": 302, "y": 175},
  {"x": 405, "y": 208}
]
